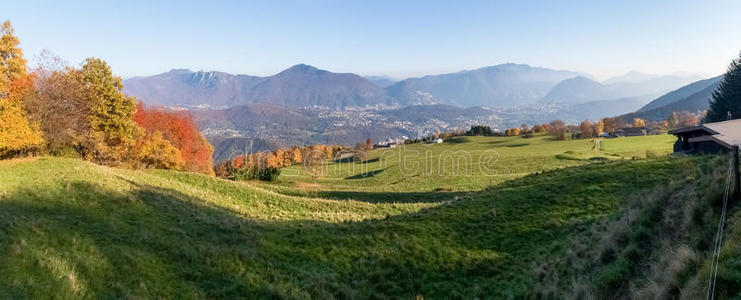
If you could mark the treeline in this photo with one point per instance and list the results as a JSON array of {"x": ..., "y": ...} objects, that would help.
[
  {"x": 589, "y": 129},
  {"x": 562, "y": 131},
  {"x": 266, "y": 165},
  {"x": 62, "y": 110}
]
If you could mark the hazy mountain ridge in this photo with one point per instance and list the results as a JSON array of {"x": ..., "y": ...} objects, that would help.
[
  {"x": 303, "y": 85},
  {"x": 682, "y": 93},
  {"x": 300, "y": 85},
  {"x": 503, "y": 85},
  {"x": 581, "y": 90},
  {"x": 382, "y": 81},
  {"x": 693, "y": 103}
]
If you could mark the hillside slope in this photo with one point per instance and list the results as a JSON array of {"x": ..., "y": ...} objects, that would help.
[
  {"x": 693, "y": 103},
  {"x": 74, "y": 229},
  {"x": 682, "y": 93},
  {"x": 580, "y": 90}
]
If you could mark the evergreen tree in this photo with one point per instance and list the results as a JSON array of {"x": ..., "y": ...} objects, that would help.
[
  {"x": 17, "y": 134},
  {"x": 727, "y": 98}
]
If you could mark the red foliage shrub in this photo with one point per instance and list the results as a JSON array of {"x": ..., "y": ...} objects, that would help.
[{"x": 179, "y": 128}]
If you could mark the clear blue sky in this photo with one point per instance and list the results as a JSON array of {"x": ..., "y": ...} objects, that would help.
[{"x": 397, "y": 38}]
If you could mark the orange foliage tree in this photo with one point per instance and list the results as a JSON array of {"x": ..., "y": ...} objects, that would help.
[
  {"x": 179, "y": 128},
  {"x": 17, "y": 134}
]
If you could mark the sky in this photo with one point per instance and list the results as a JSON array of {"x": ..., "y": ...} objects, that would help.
[{"x": 394, "y": 38}]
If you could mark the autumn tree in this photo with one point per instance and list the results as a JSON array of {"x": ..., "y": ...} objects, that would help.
[
  {"x": 687, "y": 119},
  {"x": 512, "y": 131},
  {"x": 599, "y": 127},
  {"x": 112, "y": 112},
  {"x": 727, "y": 98},
  {"x": 296, "y": 156},
  {"x": 59, "y": 104},
  {"x": 238, "y": 162},
  {"x": 610, "y": 124},
  {"x": 558, "y": 129},
  {"x": 179, "y": 128},
  {"x": 314, "y": 162},
  {"x": 586, "y": 128},
  {"x": 17, "y": 134},
  {"x": 524, "y": 128},
  {"x": 673, "y": 121},
  {"x": 638, "y": 122},
  {"x": 284, "y": 157},
  {"x": 156, "y": 152}
]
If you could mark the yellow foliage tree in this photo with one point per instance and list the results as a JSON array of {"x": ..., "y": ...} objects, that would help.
[
  {"x": 599, "y": 128},
  {"x": 638, "y": 122},
  {"x": 296, "y": 156},
  {"x": 17, "y": 134},
  {"x": 156, "y": 152}
]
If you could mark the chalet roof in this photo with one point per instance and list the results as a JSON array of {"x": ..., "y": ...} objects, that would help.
[
  {"x": 689, "y": 129},
  {"x": 726, "y": 133}
]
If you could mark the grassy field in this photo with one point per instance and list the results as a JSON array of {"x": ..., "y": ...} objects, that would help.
[
  {"x": 466, "y": 163},
  {"x": 69, "y": 228}
]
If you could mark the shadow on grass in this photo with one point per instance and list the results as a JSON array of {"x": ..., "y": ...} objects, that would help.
[
  {"x": 369, "y": 161},
  {"x": 365, "y": 175},
  {"x": 391, "y": 197},
  {"x": 495, "y": 142},
  {"x": 458, "y": 140},
  {"x": 352, "y": 160},
  {"x": 160, "y": 243},
  {"x": 516, "y": 145}
]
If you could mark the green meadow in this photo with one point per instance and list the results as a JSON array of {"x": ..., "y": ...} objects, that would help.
[{"x": 518, "y": 219}]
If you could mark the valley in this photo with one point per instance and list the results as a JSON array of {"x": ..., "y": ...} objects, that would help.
[{"x": 304, "y": 105}]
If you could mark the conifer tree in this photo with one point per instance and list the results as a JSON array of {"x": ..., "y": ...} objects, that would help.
[{"x": 727, "y": 98}]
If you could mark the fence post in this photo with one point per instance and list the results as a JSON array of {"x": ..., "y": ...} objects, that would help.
[{"x": 736, "y": 177}]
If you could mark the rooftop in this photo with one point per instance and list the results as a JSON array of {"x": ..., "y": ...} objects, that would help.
[{"x": 727, "y": 133}]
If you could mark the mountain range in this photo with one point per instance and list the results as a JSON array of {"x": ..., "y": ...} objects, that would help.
[
  {"x": 298, "y": 86},
  {"x": 506, "y": 85},
  {"x": 306, "y": 105}
]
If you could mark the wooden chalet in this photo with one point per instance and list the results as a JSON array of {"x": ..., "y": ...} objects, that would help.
[{"x": 708, "y": 138}]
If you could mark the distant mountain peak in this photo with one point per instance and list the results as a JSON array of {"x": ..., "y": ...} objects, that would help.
[
  {"x": 184, "y": 70},
  {"x": 581, "y": 78},
  {"x": 632, "y": 76},
  {"x": 303, "y": 68}
]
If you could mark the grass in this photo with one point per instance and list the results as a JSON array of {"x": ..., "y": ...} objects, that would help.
[
  {"x": 467, "y": 163},
  {"x": 74, "y": 229}
]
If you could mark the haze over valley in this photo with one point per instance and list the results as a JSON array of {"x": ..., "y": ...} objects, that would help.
[{"x": 305, "y": 105}]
